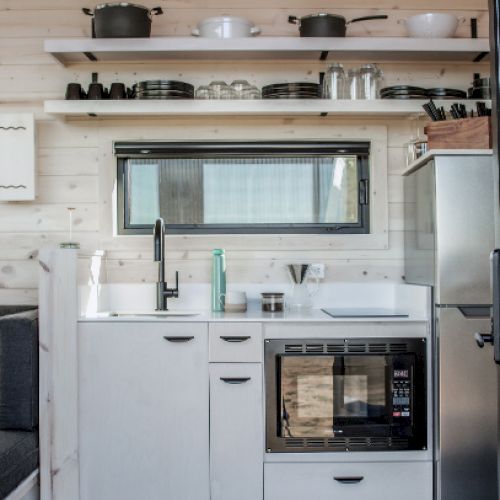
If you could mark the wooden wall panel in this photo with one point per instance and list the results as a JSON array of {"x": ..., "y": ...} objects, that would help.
[{"x": 73, "y": 155}]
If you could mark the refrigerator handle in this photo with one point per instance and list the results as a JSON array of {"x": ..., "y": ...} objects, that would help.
[{"x": 495, "y": 309}]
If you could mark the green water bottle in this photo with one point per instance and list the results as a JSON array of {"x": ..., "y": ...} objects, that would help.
[{"x": 218, "y": 279}]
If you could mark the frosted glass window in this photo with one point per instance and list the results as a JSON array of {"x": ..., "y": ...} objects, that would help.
[{"x": 245, "y": 194}]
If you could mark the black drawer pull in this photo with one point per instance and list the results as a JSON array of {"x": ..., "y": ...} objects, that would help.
[
  {"x": 178, "y": 339},
  {"x": 229, "y": 380},
  {"x": 234, "y": 339},
  {"x": 349, "y": 480}
]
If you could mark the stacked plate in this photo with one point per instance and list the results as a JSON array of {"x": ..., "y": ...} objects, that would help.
[
  {"x": 163, "y": 89},
  {"x": 300, "y": 90},
  {"x": 440, "y": 93},
  {"x": 409, "y": 92},
  {"x": 403, "y": 92}
]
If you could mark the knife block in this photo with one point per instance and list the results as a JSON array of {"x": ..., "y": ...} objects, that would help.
[{"x": 466, "y": 133}]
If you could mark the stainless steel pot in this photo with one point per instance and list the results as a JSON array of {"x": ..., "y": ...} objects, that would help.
[
  {"x": 121, "y": 20},
  {"x": 326, "y": 25}
]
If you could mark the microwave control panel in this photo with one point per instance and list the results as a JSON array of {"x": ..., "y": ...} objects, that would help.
[{"x": 401, "y": 394}]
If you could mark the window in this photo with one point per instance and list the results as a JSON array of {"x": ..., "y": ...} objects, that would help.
[{"x": 213, "y": 187}]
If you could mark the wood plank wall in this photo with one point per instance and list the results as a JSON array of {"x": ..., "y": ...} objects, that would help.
[{"x": 72, "y": 155}]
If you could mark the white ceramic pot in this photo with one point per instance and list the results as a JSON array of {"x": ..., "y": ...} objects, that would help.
[
  {"x": 432, "y": 25},
  {"x": 226, "y": 27}
]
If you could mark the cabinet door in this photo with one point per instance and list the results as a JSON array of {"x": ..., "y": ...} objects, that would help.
[
  {"x": 143, "y": 407},
  {"x": 17, "y": 157},
  {"x": 236, "y": 431}
]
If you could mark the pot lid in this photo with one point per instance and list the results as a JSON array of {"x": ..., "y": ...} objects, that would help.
[
  {"x": 226, "y": 19},
  {"x": 121, "y": 4},
  {"x": 324, "y": 14}
]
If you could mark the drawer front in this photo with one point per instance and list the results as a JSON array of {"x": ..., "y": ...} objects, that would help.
[
  {"x": 235, "y": 343},
  {"x": 353, "y": 481}
]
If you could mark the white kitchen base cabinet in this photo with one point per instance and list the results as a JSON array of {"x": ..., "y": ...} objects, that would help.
[
  {"x": 144, "y": 411},
  {"x": 348, "y": 481},
  {"x": 236, "y": 431}
]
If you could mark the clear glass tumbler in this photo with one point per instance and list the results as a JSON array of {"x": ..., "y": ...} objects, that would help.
[
  {"x": 203, "y": 92},
  {"x": 334, "y": 82},
  {"x": 354, "y": 84},
  {"x": 370, "y": 79}
]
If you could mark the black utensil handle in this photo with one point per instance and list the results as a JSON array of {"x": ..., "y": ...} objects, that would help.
[
  {"x": 349, "y": 479},
  {"x": 178, "y": 339},
  {"x": 156, "y": 11},
  {"x": 235, "y": 380},
  {"x": 234, "y": 338},
  {"x": 88, "y": 12},
  {"x": 367, "y": 18},
  {"x": 293, "y": 19}
]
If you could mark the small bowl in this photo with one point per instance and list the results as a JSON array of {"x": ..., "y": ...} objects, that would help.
[{"x": 432, "y": 25}]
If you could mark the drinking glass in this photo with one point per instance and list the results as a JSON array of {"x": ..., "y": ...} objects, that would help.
[
  {"x": 334, "y": 82},
  {"x": 370, "y": 78}
]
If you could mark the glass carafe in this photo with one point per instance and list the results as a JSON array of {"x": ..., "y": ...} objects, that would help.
[
  {"x": 370, "y": 78},
  {"x": 301, "y": 297}
]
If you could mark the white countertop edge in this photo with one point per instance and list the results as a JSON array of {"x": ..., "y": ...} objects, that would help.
[
  {"x": 313, "y": 316},
  {"x": 445, "y": 152}
]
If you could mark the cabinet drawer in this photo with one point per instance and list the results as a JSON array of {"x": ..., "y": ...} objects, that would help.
[
  {"x": 235, "y": 343},
  {"x": 348, "y": 481}
]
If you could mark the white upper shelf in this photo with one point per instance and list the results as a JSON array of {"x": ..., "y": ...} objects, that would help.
[
  {"x": 263, "y": 107},
  {"x": 77, "y": 50}
]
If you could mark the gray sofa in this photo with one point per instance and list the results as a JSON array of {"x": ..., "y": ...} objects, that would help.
[{"x": 19, "y": 449}]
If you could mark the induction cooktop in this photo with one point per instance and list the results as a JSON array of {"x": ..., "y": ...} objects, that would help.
[{"x": 364, "y": 313}]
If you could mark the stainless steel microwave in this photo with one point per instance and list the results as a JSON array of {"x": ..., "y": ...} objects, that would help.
[{"x": 345, "y": 395}]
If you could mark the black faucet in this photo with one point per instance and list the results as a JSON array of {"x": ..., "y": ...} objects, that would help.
[{"x": 162, "y": 292}]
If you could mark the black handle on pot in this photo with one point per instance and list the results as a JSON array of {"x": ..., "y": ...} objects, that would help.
[
  {"x": 293, "y": 20},
  {"x": 88, "y": 12},
  {"x": 367, "y": 18},
  {"x": 156, "y": 11}
]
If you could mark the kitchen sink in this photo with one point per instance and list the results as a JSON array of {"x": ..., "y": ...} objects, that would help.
[{"x": 120, "y": 314}]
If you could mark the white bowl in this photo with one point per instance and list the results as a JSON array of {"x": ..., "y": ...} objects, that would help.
[
  {"x": 226, "y": 27},
  {"x": 432, "y": 25}
]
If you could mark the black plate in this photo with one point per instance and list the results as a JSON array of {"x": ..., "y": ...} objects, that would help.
[
  {"x": 405, "y": 96},
  {"x": 291, "y": 96},
  {"x": 403, "y": 92},
  {"x": 403, "y": 88},
  {"x": 447, "y": 92},
  {"x": 164, "y": 92},
  {"x": 164, "y": 98}
]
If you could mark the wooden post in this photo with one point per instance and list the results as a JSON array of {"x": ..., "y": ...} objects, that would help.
[{"x": 59, "y": 465}]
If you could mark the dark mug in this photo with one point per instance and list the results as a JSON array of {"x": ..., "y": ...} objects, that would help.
[
  {"x": 96, "y": 91},
  {"x": 118, "y": 91},
  {"x": 74, "y": 92}
]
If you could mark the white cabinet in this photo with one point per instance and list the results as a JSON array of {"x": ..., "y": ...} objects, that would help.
[
  {"x": 236, "y": 431},
  {"x": 143, "y": 406},
  {"x": 349, "y": 481},
  {"x": 17, "y": 157}
]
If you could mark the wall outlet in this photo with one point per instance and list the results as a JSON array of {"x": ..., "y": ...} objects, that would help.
[{"x": 317, "y": 271}]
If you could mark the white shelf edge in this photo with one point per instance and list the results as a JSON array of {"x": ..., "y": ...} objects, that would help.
[
  {"x": 72, "y": 50},
  {"x": 264, "y": 107}
]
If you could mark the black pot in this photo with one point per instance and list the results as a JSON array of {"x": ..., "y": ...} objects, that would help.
[
  {"x": 121, "y": 20},
  {"x": 326, "y": 25}
]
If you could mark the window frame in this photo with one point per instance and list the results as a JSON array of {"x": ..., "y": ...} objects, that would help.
[{"x": 249, "y": 149}]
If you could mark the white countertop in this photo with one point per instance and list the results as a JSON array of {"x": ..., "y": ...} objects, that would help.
[
  {"x": 253, "y": 315},
  {"x": 445, "y": 152}
]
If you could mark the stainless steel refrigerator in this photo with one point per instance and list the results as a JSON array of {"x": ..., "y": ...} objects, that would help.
[{"x": 449, "y": 211}]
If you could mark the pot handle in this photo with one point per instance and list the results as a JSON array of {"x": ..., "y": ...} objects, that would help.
[
  {"x": 367, "y": 18},
  {"x": 195, "y": 32},
  {"x": 88, "y": 12},
  {"x": 156, "y": 11},
  {"x": 254, "y": 30},
  {"x": 293, "y": 20}
]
